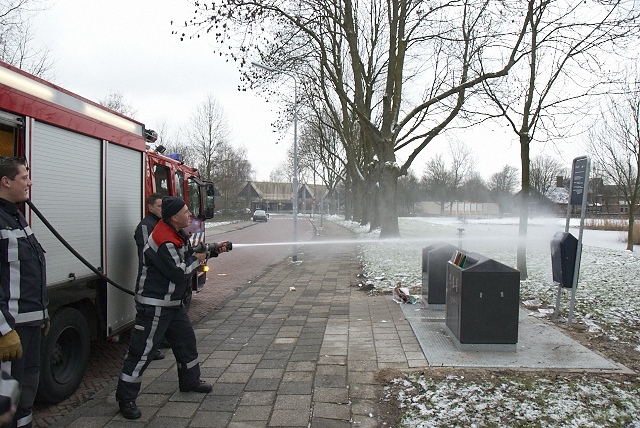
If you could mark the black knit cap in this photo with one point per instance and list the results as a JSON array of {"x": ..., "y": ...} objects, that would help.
[{"x": 171, "y": 206}]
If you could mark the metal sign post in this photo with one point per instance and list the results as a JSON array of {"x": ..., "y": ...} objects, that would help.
[{"x": 577, "y": 196}]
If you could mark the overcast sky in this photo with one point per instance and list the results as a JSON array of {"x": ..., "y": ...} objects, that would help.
[{"x": 126, "y": 46}]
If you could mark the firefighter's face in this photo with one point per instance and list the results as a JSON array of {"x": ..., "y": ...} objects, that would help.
[
  {"x": 18, "y": 188},
  {"x": 156, "y": 208},
  {"x": 183, "y": 218}
]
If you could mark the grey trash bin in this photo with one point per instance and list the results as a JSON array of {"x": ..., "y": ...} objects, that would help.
[
  {"x": 483, "y": 298},
  {"x": 564, "y": 249},
  {"x": 434, "y": 272}
]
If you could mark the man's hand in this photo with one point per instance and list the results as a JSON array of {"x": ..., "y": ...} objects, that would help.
[
  {"x": 10, "y": 346},
  {"x": 46, "y": 327},
  {"x": 202, "y": 257}
]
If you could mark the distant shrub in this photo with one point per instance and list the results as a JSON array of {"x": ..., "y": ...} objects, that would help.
[
  {"x": 606, "y": 224},
  {"x": 614, "y": 224}
]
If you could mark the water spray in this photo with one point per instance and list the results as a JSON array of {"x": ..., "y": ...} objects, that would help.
[{"x": 488, "y": 239}]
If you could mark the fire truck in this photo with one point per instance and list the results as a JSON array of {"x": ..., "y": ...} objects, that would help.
[{"x": 91, "y": 169}]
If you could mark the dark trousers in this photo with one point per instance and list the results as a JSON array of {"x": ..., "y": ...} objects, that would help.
[
  {"x": 26, "y": 371},
  {"x": 152, "y": 324}
]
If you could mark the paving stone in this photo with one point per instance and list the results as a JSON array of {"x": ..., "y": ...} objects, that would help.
[
  {"x": 235, "y": 377},
  {"x": 331, "y": 395},
  {"x": 295, "y": 388},
  {"x": 90, "y": 422},
  {"x": 300, "y": 402},
  {"x": 258, "y": 398},
  {"x": 251, "y": 413},
  {"x": 289, "y": 418},
  {"x": 268, "y": 373},
  {"x": 262, "y": 385},
  {"x": 207, "y": 419},
  {"x": 179, "y": 410},
  {"x": 329, "y": 423}
]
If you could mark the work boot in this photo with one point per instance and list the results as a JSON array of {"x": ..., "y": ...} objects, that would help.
[
  {"x": 158, "y": 355},
  {"x": 129, "y": 410},
  {"x": 201, "y": 386}
]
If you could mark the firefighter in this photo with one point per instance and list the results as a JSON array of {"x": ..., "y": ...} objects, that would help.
[
  {"x": 141, "y": 236},
  {"x": 168, "y": 264},
  {"x": 23, "y": 293}
]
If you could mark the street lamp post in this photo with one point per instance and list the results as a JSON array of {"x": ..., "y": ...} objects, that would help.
[{"x": 294, "y": 256}]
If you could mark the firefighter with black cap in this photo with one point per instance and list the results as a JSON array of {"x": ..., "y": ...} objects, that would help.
[{"x": 169, "y": 263}]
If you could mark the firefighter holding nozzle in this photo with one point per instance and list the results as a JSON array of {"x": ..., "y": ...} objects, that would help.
[{"x": 168, "y": 264}]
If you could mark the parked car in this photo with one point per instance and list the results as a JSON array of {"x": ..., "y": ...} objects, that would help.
[{"x": 260, "y": 215}]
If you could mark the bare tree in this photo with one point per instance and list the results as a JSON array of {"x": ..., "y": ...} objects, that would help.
[
  {"x": 505, "y": 180},
  {"x": 474, "y": 188},
  {"x": 174, "y": 141},
  {"x": 359, "y": 58},
  {"x": 541, "y": 95},
  {"x": 502, "y": 185},
  {"x": 231, "y": 171},
  {"x": 543, "y": 172},
  {"x": 321, "y": 152},
  {"x": 614, "y": 144},
  {"x": 444, "y": 183},
  {"x": 409, "y": 193},
  {"x": 117, "y": 102},
  {"x": 437, "y": 181},
  {"x": 207, "y": 130},
  {"x": 279, "y": 173},
  {"x": 17, "y": 44}
]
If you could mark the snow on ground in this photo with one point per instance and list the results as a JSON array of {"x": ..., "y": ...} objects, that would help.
[{"x": 607, "y": 302}]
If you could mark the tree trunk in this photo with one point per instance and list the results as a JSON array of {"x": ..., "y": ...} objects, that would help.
[
  {"x": 359, "y": 202},
  {"x": 389, "y": 227},
  {"x": 630, "y": 239},
  {"x": 348, "y": 199},
  {"x": 521, "y": 259},
  {"x": 373, "y": 201}
]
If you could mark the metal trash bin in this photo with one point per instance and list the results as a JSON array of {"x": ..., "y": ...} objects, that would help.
[
  {"x": 434, "y": 272},
  {"x": 564, "y": 249},
  {"x": 483, "y": 299}
]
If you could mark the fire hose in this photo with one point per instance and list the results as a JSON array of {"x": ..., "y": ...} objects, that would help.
[
  {"x": 211, "y": 249},
  {"x": 74, "y": 252}
]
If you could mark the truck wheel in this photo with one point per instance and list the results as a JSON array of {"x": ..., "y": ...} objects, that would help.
[{"x": 64, "y": 356}]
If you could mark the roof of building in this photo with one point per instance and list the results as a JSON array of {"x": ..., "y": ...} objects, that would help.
[{"x": 267, "y": 190}]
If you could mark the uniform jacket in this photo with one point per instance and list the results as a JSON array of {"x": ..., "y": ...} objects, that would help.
[
  {"x": 144, "y": 229},
  {"x": 23, "y": 289},
  {"x": 168, "y": 265},
  {"x": 142, "y": 233}
]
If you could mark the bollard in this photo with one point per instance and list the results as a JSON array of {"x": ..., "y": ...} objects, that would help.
[{"x": 460, "y": 233}]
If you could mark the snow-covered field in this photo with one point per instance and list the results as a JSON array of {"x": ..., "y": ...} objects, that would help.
[{"x": 607, "y": 304}]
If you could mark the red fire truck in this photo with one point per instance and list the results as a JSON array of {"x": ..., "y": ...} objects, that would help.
[{"x": 91, "y": 169}]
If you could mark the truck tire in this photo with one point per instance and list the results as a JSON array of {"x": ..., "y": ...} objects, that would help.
[{"x": 64, "y": 356}]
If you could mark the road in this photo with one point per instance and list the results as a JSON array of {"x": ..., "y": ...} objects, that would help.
[
  {"x": 250, "y": 257},
  {"x": 251, "y": 253}
]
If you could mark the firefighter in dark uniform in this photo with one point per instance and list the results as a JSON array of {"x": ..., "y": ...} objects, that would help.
[
  {"x": 148, "y": 223},
  {"x": 23, "y": 291},
  {"x": 168, "y": 265},
  {"x": 142, "y": 233}
]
